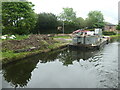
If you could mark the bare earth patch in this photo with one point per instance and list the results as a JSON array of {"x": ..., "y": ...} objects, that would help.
[{"x": 38, "y": 41}]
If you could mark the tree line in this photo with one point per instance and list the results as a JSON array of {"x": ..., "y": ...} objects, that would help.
[{"x": 20, "y": 18}]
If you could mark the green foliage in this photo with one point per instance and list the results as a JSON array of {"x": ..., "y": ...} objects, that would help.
[
  {"x": 65, "y": 37},
  {"x": 46, "y": 22},
  {"x": 21, "y": 37},
  {"x": 109, "y": 33},
  {"x": 115, "y": 36},
  {"x": 71, "y": 26},
  {"x": 118, "y": 27},
  {"x": 18, "y": 37},
  {"x": 68, "y": 14},
  {"x": 71, "y": 22},
  {"x": 17, "y": 17},
  {"x": 80, "y": 22},
  {"x": 95, "y": 19},
  {"x": 90, "y": 29}
]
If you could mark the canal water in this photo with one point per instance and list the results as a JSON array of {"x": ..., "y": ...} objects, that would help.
[{"x": 65, "y": 68}]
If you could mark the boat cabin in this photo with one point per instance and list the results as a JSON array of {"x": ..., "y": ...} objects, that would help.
[{"x": 87, "y": 37}]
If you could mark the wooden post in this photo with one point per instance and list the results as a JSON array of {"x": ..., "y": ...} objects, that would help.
[
  {"x": 77, "y": 39},
  {"x": 84, "y": 39},
  {"x": 84, "y": 42}
]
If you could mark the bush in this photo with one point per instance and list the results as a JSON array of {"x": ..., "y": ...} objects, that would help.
[
  {"x": 21, "y": 20},
  {"x": 70, "y": 27},
  {"x": 109, "y": 33},
  {"x": 118, "y": 27},
  {"x": 90, "y": 29}
]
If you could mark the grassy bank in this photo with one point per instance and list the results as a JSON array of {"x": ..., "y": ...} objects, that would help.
[
  {"x": 118, "y": 35},
  {"x": 10, "y": 56},
  {"x": 44, "y": 43},
  {"x": 65, "y": 37}
]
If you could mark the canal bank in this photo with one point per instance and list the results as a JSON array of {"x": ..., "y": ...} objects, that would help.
[
  {"x": 14, "y": 50},
  {"x": 65, "y": 68}
]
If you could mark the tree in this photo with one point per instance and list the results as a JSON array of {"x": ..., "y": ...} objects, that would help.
[
  {"x": 80, "y": 22},
  {"x": 18, "y": 17},
  {"x": 95, "y": 19},
  {"x": 118, "y": 27},
  {"x": 67, "y": 15},
  {"x": 46, "y": 22}
]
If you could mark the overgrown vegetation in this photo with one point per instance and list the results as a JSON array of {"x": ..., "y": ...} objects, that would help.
[
  {"x": 18, "y": 37},
  {"x": 65, "y": 37},
  {"x": 46, "y": 23},
  {"x": 39, "y": 42},
  {"x": 20, "y": 18},
  {"x": 118, "y": 27},
  {"x": 109, "y": 33},
  {"x": 117, "y": 35},
  {"x": 95, "y": 19}
]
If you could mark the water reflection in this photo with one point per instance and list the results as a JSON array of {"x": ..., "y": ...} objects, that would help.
[
  {"x": 113, "y": 39},
  {"x": 19, "y": 73},
  {"x": 69, "y": 55},
  {"x": 64, "y": 65}
]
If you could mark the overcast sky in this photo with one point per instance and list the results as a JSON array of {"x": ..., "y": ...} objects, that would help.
[{"x": 109, "y": 8}]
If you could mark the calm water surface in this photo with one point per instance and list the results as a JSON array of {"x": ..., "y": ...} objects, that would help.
[{"x": 65, "y": 68}]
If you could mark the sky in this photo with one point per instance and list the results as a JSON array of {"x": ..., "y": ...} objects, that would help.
[{"x": 109, "y": 8}]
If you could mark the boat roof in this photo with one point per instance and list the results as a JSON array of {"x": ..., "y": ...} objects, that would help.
[{"x": 80, "y": 31}]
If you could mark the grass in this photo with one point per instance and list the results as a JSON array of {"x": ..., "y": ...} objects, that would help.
[
  {"x": 65, "y": 37},
  {"x": 9, "y": 55},
  {"x": 18, "y": 37},
  {"x": 115, "y": 35},
  {"x": 55, "y": 45},
  {"x": 21, "y": 37},
  {"x": 6, "y": 56}
]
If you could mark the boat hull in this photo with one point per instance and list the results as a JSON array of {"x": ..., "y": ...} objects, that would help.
[{"x": 88, "y": 46}]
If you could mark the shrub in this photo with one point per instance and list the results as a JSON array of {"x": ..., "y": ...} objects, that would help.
[
  {"x": 109, "y": 33},
  {"x": 90, "y": 29},
  {"x": 118, "y": 27}
]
